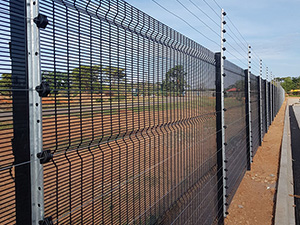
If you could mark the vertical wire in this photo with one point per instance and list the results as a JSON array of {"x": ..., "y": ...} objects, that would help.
[
  {"x": 69, "y": 113},
  {"x": 80, "y": 113},
  {"x": 158, "y": 127},
  {"x": 110, "y": 114},
  {"x": 160, "y": 68},
  {"x": 139, "y": 117},
  {"x": 55, "y": 109},
  {"x": 144, "y": 157},
  {"x": 102, "y": 123},
  {"x": 119, "y": 70},
  {"x": 169, "y": 132},
  {"x": 92, "y": 118},
  {"x": 126, "y": 119},
  {"x": 153, "y": 127},
  {"x": 133, "y": 112},
  {"x": 151, "y": 116},
  {"x": 166, "y": 124},
  {"x": 181, "y": 101}
]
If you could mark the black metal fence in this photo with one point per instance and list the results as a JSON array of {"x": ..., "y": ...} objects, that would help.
[{"x": 130, "y": 126}]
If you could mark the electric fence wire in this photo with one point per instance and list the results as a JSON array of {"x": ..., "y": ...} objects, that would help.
[
  {"x": 186, "y": 22},
  {"x": 238, "y": 31},
  {"x": 206, "y": 14},
  {"x": 198, "y": 18},
  {"x": 211, "y": 8}
]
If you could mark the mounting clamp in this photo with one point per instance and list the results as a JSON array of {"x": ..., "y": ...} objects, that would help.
[
  {"x": 45, "y": 156},
  {"x": 46, "y": 221},
  {"x": 43, "y": 89},
  {"x": 41, "y": 21}
]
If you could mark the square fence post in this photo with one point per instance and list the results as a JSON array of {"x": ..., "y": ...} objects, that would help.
[
  {"x": 267, "y": 101},
  {"x": 220, "y": 139},
  {"x": 271, "y": 100},
  {"x": 260, "y": 104},
  {"x": 274, "y": 99},
  {"x": 248, "y": 110},
  {"x": 248, "y": 118},
  {"x": 35, "y": 92},
  {"x": 27, "y": 115}
]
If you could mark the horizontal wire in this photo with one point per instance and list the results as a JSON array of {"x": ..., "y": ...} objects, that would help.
[
  {"x": 243, "y": 63},
  {"x": 218, "y": 15},
  {"x": 217, "y": 4},
  {"x": 198, "y": 18},
  {"x": 243, "y": 56},
  {"x": 185, "y": 22},
  {"x": 205, "y": 13}
]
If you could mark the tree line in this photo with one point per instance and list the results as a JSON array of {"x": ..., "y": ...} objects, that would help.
[
  {"x": 289, "y": 83},
  {"x": 108, "y": 79}
]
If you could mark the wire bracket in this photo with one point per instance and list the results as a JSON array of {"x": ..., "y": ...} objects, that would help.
[
  {"x": 46, "y": 221},
  {"x": 41, "y": 21},
  {"x": 43, "y": 89},
  {"x": 45, "y": 156}
]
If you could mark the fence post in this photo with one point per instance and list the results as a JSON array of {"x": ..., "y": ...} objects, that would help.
[
  {"x": 220, "y": 108},
  {"x": 219, "y": 129},
  {"x": 248, "y": 110},
  {"x": 35, "y": 110},
  {"x": 260, "y": 104},
  {"x": 267, "y": 99},
  {"x": 274, "y": 99},
  {"x": 20, "y": 141},
  {"x": 271, "y": 97}
]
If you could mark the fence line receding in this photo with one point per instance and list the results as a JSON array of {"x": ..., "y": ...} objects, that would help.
[{"x": 130, "y": 118}]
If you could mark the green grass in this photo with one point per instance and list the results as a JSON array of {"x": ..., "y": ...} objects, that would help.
[{"x": 5, "y": 126}]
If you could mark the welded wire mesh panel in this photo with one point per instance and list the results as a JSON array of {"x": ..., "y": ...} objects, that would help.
[
  {"x": 130, "y": 119},
  {"x": 255, "y": 119},
  {"x": 235, "y": 121},
  {"x": 14, "y": 155},
  {"x": 276, "y": 103},
  {"x": 278, "y": 97}
]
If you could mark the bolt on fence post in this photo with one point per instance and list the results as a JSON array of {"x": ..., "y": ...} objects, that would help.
[
  {"x": 222, "y": 75},
  {"x": 248, "y": 108},
  {"x": 35, "y": 113},
  {"x": 260, "y": 102}
]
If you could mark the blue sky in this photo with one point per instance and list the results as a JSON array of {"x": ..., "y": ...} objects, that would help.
[{"x": 271, "y": 27}]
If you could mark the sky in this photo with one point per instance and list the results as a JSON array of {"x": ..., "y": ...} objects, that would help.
[{"x": 271, "y": 27}]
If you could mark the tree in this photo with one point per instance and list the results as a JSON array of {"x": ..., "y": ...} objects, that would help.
[
  {"x": 5, "y": 84},
  {"x": 287, "y": 84},
  {"x": 296, "y": 82},
  {"x": 175, "y": 81},
  {"x": 56, "y": 80},
  {"x": 87, "y": 78},
  {"x": 116, "y": 74}
]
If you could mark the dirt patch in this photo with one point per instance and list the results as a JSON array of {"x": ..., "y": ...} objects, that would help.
[{"x": 254, "y": 200}]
